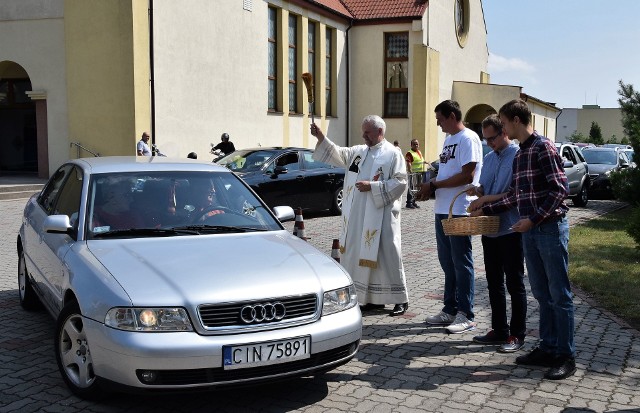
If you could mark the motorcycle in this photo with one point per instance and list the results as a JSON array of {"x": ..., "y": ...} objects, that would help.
[
  {"x": 156, "y": 151},
  {"x": 217, "y": 153}
]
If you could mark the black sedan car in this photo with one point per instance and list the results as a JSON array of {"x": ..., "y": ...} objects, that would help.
[
  {"x": 289, "y": 176},
  {"x": 602, "y": 162}
]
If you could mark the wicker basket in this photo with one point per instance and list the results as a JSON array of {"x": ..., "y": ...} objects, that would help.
[{"x": 469, "y": 225}]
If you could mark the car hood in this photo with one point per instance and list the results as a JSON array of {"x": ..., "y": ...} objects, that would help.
[
  {"x": 192, "y": 270},
  {"x": 600, "y": 168}
]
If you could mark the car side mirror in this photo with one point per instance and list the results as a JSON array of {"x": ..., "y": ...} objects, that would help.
[
  {"x": 624, "y": 164},
  {"x": 284, "y": 213},
  {"x": 568, "y": 164},
  {"x": 57, "y": 224},
  {"x": 280, "y": 170}
]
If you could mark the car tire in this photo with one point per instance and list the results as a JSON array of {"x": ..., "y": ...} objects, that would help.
[
  {"x": 581, "y": 199},
  {"x": 336, "y": 207},
  {"x": 28, "y": 298},
  {"x": 73, "y": 353}
]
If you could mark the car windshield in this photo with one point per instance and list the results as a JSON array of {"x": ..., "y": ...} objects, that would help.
[
  {"x": 169, "y": 203},
  {"x": 600, "y": 157},
  {"x": 247, "y": 160}
]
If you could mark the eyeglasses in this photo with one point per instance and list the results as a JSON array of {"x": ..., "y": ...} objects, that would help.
[{"x": 491, "y": 138}]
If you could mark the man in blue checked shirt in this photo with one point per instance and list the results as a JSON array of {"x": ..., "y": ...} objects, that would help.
[
  {"x": 503, "y": 256},
  {"x": 539, "y": 189}
]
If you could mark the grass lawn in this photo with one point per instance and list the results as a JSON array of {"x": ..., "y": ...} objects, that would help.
[{"x": 605, "y": 263}]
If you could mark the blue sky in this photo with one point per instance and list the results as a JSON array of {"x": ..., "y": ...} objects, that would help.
[{"x": 570, "y": 52}]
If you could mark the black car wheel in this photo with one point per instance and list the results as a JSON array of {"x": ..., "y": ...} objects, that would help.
[
  {"x": 581, "y": 199},
  {"x": 28, "y": 298},
  {"x": 73, "y": 353},
  {"x": 337, "y": 202}
]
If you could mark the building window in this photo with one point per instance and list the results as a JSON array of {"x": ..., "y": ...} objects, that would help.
[
  {"x": 293, "y": 66},
  {"x": 328, "y": 72},
  {"x": 311, "y": 43},
  {"x": 396, "y": 92},
  {"x": 461, "y": 16},
  {"x": 272, "y": 57}
]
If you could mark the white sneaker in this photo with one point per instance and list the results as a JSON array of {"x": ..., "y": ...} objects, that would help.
[
  {"x": 461, "y": 324},
  {"x": 440, "y": 319}
]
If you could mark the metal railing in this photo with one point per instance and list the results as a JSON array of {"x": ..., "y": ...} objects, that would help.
[{"x": 80, "y": 147}]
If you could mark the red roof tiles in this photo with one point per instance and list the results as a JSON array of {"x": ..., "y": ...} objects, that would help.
[{"x": 375, "y": 9}]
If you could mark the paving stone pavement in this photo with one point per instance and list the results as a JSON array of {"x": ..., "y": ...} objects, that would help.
[{"x": 402, "y": 365}]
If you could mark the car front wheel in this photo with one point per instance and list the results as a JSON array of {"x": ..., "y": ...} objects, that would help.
[
  {"x": 28, "y": 298},
  {"x": 581, "y": 199},
  {"x": 337, "y": 201},
  {"x": 73, "y": 353}
]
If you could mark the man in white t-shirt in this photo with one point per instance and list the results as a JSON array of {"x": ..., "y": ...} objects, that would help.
[
  {"x": 460, "y": 163},
  {"x": 143, "y": 148}
]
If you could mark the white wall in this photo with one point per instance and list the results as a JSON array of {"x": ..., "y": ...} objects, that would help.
[{"x": 32, "y": 35}]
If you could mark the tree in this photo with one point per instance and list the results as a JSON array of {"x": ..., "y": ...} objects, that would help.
[
  {"x": 576, "y": 137},
  {"x": 630, "y": 107},
  {"x": 595, "y": 134}
]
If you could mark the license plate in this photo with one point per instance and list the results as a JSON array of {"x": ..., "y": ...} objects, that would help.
[{"x": 263, "y": 354}]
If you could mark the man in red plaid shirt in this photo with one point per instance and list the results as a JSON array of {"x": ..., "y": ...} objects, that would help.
[{"x": 539, "y": 189}]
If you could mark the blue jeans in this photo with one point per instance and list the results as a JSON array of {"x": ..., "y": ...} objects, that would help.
[
  {"x": 456, "y": 260},
  {"x": 547, "y": 258}
]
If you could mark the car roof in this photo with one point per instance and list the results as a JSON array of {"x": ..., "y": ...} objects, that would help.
[
  {"x": 112, "y": 164},
  {"x": 274, "y": 148}
]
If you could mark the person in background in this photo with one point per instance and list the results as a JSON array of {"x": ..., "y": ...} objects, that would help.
[
  {"x": 374, "y": 183},
  {"x": 460, "y": 163},
  {"x": 539, "y": 189},
  {"x": 503, "y": 256},
  {"x": 225, "y": 145},
  {"x": 192, "y": 155},
  {"x": 143, "y": 148},
  {"x": 415, "y": 165}
]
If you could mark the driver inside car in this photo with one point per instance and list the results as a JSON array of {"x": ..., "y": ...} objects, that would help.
[{"x": 203, "y": 195}]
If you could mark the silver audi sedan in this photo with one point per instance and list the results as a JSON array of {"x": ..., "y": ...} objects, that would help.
[{"x": 172, "y": 274}]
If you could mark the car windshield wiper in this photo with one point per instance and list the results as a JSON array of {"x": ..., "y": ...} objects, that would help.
[
  {"x": 217, "y": 228},
  {"x": 146, "y": 232}
]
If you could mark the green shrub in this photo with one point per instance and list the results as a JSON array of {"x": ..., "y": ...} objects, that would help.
[
  {"x": 633, "y": 226},
  {"x": 626, "y": 185}
]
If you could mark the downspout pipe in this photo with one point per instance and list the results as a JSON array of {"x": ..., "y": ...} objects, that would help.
[
  {"x": 346, "y": 33},
  {"x": 152, "y": 75}
]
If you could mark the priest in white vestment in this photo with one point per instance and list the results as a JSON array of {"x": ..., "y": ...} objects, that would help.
[{"x": 375, "y": 180}]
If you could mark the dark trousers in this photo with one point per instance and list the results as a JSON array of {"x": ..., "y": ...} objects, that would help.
[{"x": 504, "y": 259}]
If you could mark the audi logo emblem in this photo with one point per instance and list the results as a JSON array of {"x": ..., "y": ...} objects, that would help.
[{"x": 258, "y": 313}]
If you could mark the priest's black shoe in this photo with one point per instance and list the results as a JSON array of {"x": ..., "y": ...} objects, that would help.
[
  {"x": 399, "y": 309},
  {"x": 370, "y": 307},
  {"x": 565, "y": 367}
]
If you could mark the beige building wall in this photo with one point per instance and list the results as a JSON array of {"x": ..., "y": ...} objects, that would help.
[
  {"x": 609, "y": 120},
  {"x": 107, "y": 76},
  {"x": 32, "y": 36},
  {"x": 212, "y": 78}
]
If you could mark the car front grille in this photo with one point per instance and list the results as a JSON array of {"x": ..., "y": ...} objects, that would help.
[
  {"x": 230, "y": 315},
  {"x": 317, "y": 362}
]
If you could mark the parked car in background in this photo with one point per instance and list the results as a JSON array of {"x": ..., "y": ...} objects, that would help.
[
  {"x": 583, "y": 145},
  {"x": 633, "y": 162},
  {"x": 602, "y": 162},
  {"x": 173, "y": 275},
  {"x": 289, "y": 176},
  {"x": 617, "y": 145},
  {"x": 577, "y": 171}
]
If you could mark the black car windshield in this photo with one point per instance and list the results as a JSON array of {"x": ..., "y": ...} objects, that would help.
[
  {"x": 137, "y": 204},
  {"x": 600, "y": 157},
  {"x": 247, "y": 160}
]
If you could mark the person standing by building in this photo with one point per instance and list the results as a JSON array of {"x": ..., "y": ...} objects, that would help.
[
  {"x": 370, "y": 240},
  {"x": 226, "y": 146},
  {"x": 539, "y": 189},
  {"x": 460, "y": 163},
  {"x": 143, "y": 148},
  {"x": 415, "y": 165},
  {"x": 503, "y": 256}
]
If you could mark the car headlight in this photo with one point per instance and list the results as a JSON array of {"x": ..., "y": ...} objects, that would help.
[
  {"x": 339, "y": 300},
  {"x": 148, "y": 319}
]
